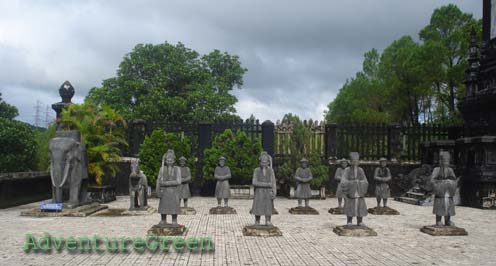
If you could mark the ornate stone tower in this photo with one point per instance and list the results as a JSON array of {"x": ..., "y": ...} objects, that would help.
[{"x": 477, "y": 149}]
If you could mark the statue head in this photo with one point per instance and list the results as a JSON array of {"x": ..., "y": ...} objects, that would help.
[
  {"x": 182, "y": 161},
  {"x": 444, "y": 158},
  {"x": 264, "y": 160},
  {"x": 304, "y": 163},
  {"x": 222, "y": 161},
  {"x": 354, "y": 158},
  {"x": 135, "y": 167},
  {"x": 383, "y": 162},
  {"x": 169, "y": 158},
  {"x": 343, "y": 163}
]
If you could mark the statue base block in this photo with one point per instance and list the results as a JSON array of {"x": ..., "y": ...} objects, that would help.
[
  {"x": 187, "y": 211},
  {"x": 383, "y": 211},
  {"x": 80, "y": 211},
  {"x": 434, "y": 230},
  {"x": 167, "y": 230},
  {"x": 140, "y": 211},
  {"x": 354, "y": 230},
  {"x": 222, "y": 210},
  {"x": 336, "y": 211},
  {"x": 261, "y": 230},
  {"x": 303, "y": 210}
]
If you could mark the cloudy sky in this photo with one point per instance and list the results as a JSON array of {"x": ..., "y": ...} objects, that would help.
[{"x": 298, "y": 53}]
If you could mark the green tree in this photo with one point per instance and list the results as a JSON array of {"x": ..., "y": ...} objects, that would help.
[
  {"x": 240, "y": 151},
  {"x": 156, "y": 145},
  {"x": 172, "y": 83},
  {"x": 6, "y": 110},
  {"x": 362, "y": 99},
  {"x": 447, "y": 39},
  {"x": 42, "y": 137},
  {"x": 18, "y": 146},
  {"x": 102, "y": 130}
]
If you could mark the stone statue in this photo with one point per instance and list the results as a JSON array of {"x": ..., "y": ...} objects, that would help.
[
  {"x": 355, "y": 186},
  {"x": 338, "y": 176},
  {"x": 68, "y": 167},
  {"x": 138, "y": 187},
  {"x": 264, "y": 182},
  {"x": 382, "y": 175},
  {"x": 303, "y": 177},
  {"x": 168, "y": 184},
  {"x": 185, "y": 180},
  {"x": 222, "y": 174},
  {"x": 444, "y": 183}
]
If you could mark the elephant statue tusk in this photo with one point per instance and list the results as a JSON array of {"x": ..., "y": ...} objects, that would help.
[{"x": 66, "y": 172}]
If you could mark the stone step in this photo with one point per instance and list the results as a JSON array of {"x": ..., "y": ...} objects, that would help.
[
  {"x": 415, "y": 195},
  {"x": 408, "y": 200}
]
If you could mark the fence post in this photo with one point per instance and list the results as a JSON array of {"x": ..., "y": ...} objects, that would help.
[
  {"x": 204, "y": 142},
  {"x": 394, "y": 145},
  {"x": 331, "y": 141},
  {"x": 268, "y": 137},
  {"x": 139, "y": 128}
]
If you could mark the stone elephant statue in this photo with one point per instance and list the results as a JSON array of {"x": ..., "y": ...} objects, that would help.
[{"x": 68, "y": 167}]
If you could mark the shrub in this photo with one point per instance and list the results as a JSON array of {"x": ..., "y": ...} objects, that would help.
[
  {"x": 241, "y": 154},
  {"x": 18, "y": 146},
  {"x": 154, "y": 147},
  {"x": 102, "y": 131},
  {"x": 42, "y": 137}
]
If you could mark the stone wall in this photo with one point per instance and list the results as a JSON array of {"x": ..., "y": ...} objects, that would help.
[{"x": 24, "y": 187}]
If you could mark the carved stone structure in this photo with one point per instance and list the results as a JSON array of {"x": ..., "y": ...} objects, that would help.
[
  {"x": 338, "y": 176},
  {"x": 138, "y": 187},
  {"x": 476, "y": 160},
  {"x": 184, "y": 192},
  {"x": 168, "y": 182},
  {"x": 68, "y": 168},
  {"x": 303, "y": 177},
  {"x": 264, "y": 182},
  {"x": 382, "y": 176},
  {"x": 222, "y": 174}
]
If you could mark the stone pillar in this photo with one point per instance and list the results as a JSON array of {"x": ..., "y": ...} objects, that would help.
[
  {"x": 139, "y": 129},
  {"x": 204, "y": 142},
  {"x": 66, "y": 92},
  {"x": 268, "y": 137},
  {"x": 394, "y": 142},
  {"x": 331, "y": 141}
]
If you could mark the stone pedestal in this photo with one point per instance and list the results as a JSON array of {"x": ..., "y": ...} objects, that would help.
[
  {"x": 79, "y": 211},
  {"x": 383, "y": 211},
  {"x": 261, "y": 230},
  {"x": 303, "y": 210},
  {"x": 140, "y": 211},
  {"x": 187, "y": 211},
  {"x": 167, "y": 230},
  {"x": 222, "y": 210},
  {"x": 337, "y": 211},
  {"x": 434, "y": 230},
  {"x": 354, "y": 230}
]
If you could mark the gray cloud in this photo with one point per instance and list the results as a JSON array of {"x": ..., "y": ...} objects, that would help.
[{"x": 298, "y": 53}]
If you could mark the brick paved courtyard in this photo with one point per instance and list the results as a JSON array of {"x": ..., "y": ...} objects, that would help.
[{"x": 306, "y": 240}]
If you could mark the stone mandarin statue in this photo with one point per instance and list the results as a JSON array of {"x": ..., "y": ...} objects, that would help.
[
  {"x": 138, "y": 187},
  {"x": 338, "y": 176},
  {"x": 185, "y": 180},
  {"x": 355, "y": 186},
  {"x": 264, "y": 182},
  {"x": 303, "y": 177},
  {"x": 444, "y": 184},
  {"x": 222, "y": 174},
  {"x": 382, "y": 175},
  {"x": 168, "y": 182}
]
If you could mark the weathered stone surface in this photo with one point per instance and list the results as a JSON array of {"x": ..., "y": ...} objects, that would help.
[
  {"x": 222, "y": 210},
  {"x": 383, "y": 211},
  {"x": 274, "y": 211},
  {"x": 261, "y": 230},
  {"x": 303, "y": 210},
  {"x": 80, "y": 211},
  {"x": 354, "y": 230},
  {"x": 140, "y": 211},
  {"x": 443, "y": 230},
  {"x": 168, "y": 230},
  {"x": 336, "y": 211},
  {"x": 187, "y": 211}
]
